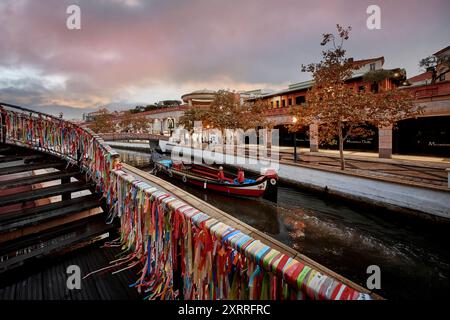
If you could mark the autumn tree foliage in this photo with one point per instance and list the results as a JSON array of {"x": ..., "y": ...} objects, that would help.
[
  {"x": 133, "y": 122},
  {"x": 103, "y": 121},
  {"x": 227, "y": 112},
  {"x": 224, "y": 111},
  {"x": 252, "y": 115},
  {"x": 126, "y": 121},
  {"x": 341, "y": 110},
  {"x": 190, "y": 116},
  {"x": 140, "y": 124}
]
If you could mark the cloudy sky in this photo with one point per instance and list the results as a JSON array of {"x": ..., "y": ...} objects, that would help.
[{"x": 132, "y": 52}]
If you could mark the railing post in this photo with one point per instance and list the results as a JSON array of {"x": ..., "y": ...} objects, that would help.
[
  {"x": 67, "y": 195},
  {"x": 448, "y": 177},
  {"x": 3, "y": 131}
]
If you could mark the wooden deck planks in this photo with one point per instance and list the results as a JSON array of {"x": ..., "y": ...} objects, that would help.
[
  {"x": 48, "y": 282},
  {"x": 43, "y": 193},
  {"x": 41, "y": 214},
  {"x": 31, "y": 167},
  {"x": 14, "y": 157},
  {"x": 35, "y": 179}
]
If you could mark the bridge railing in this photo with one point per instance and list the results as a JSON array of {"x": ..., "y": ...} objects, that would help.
[
  {"x": 184, "y": 252},
  {"x": 65, "y": 139},
  {"x": 118, "y": 136}
]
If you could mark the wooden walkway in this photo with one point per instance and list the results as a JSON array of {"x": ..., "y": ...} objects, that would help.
[
  {"x": 48, "y": 280},
  {"x": 46, "y": 207}
]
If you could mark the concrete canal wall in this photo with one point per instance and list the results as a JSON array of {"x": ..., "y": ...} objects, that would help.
[
  {"x": 395, "y": 196},
  {"x": 408, "y": 197}
]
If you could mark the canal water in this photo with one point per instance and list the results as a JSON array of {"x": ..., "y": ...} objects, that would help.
[{"x": 347, "y": 238}]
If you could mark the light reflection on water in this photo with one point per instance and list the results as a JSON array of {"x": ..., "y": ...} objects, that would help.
[{"x": 413, "y": 256}]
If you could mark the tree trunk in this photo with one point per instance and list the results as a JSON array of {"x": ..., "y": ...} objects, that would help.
[
  {"x": 433, "y": 76},
  {"x": 224, "y": 142},
  {"x": 341, "y": 146}
]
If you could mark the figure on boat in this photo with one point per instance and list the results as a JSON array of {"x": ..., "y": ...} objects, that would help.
[{"x": 240, "y": 176}]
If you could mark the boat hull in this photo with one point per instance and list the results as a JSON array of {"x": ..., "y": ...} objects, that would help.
[{"x": 254, "y": 189}]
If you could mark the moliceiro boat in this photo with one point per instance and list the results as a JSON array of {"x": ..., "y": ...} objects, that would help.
[{"x": 207, "y": 177}]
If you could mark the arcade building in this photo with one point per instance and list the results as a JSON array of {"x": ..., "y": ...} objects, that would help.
[{"x": 428, "y": 134}]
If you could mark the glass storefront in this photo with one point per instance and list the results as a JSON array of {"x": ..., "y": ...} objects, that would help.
[{"x": 423, "y": 136}]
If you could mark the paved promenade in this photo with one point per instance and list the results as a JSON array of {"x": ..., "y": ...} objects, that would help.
[
  {"x": 419, "y": 170},
  {"x": 424, "y": 170}
]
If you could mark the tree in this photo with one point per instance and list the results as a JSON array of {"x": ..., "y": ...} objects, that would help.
[
  {"x": 437, "y": 65},
  {"x": 227, "y": 112},
  {"x": 131, "y": 122},
  {"x": 138, "y": 109},
  {"x": 150, "y": 107},
  {"x": 140, "y": 124},
  {"x": 252, "y": 116},
  {"x": 224, "y": 111},
  {"x": 188, "y": 119},
  {"x": 126, "y": 122},
  {"x": 342, "y": 111},
  {"x": 102, "y": 122}
]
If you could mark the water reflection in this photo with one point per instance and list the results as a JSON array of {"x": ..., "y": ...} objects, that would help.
[{"x": 412, "y": 255}]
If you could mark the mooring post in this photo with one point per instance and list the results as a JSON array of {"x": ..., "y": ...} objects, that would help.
[
  {"x": 3, "y": 129},
  {"x": 448, "y": 177}
]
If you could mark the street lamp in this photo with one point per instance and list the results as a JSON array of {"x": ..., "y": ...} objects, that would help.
[
  {"x": 294, "y": 121},
  {"x": 170, "y": 125}
]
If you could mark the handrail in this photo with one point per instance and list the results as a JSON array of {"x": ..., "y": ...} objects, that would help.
[
  {"x": 43, "y": 132},
  {"x": 185, "y": 252},
  {"x": 112, "y": 136}
]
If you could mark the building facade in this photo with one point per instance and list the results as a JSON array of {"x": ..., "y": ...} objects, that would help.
[
  {"x": 282, "y": 101},
  {"x": 428, "y": 134}
]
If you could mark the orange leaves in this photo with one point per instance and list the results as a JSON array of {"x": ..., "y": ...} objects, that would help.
[{"x": 340, "y": 109}]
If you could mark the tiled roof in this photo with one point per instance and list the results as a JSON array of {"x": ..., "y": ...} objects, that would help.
[
  {"x": 442, "y": 50},
  {"x": 420, "y": 77},
  {"x": 366, "y": 61}
]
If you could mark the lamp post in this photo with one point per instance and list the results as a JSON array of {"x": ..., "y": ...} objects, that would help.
[
  {"x": 207, "y": 134},
  {"x": 170, "y": 125},
  {"x": 294, "y": 121}
]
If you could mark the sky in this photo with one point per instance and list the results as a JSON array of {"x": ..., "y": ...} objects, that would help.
[{"x": 137, "y": 52}]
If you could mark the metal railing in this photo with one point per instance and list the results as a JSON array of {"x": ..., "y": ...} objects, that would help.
[
  {"x": 117, "y": 136},
  {"x": 183, "y": 251},
  {"x": 67, "y": 140}
]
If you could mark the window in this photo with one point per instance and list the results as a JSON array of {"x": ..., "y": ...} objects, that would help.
[
  {"x": 278, "y": 103},
  {"x": 283, "y": 103},
  {"x": 442, "y": 77},
  {"x": 361, "y": 88},
  {"x": 290, "y": 102},
  {"x": 372, "y": 67},
  {"x": 271, "y": 104},
  {"x": 300, "y": 100}
]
